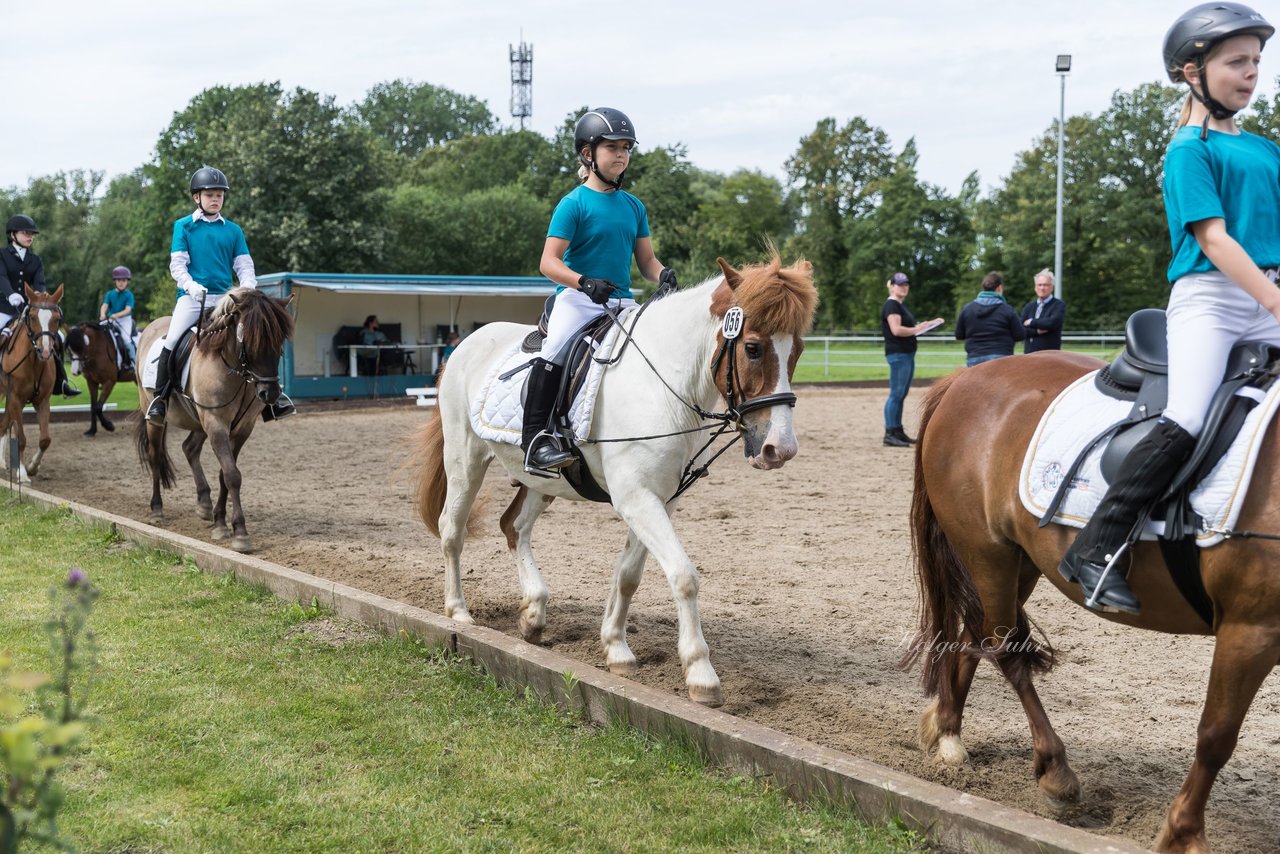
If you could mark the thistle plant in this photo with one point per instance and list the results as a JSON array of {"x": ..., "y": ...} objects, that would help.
[{"x": 41, "y": 719}]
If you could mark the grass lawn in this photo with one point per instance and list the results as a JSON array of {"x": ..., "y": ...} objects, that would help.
[
  {"x": 124, "y": 395},
  {"x": 858, "y": 360},
  {"x": 224, "y": 720}
]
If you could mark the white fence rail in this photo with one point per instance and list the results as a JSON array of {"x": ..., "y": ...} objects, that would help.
[{"x": 935, "y": 350}]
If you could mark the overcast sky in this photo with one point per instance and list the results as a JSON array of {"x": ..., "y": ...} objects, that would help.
[{"x": 92, "y": 84}]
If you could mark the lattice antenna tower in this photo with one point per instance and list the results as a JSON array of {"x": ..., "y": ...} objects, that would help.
[{"x": 521, "y": 81}]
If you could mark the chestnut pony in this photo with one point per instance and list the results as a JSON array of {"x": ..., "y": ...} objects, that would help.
[
  {"x": 648, "y": 425},
  {"x": 235, "y": 369},
  {"x": 980, "y": 553},
  {"x": 29, "y": 373},
  {"x": 93, "y": 353}
]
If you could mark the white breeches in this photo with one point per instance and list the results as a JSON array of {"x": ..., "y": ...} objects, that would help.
[
  {"x": 573, "y": 309},
  {"x": 185, "y": 315},
  {"x": 1208, "y": 314}
]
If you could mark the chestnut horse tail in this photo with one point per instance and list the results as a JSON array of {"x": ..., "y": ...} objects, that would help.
[
  {"x": 950, "y": 607},
  {"x": 433, "y": 484},
  {"x": 948, "y": 599},
  {"x": 144, "y": 451}
]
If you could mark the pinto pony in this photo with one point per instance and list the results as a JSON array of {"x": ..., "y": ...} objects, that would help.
[
  {"x": 29, "y": 373},
  {"x": 980, "y": 553},
  {"x": 648, "y": 425},
  {"x": 234, "y": 373},
  {"x": 93, "y": 353}
]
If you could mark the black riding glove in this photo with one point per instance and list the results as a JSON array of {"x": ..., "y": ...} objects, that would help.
[
  {"x": 599, "y": 290},
  {"x": 667, "y": 282}
]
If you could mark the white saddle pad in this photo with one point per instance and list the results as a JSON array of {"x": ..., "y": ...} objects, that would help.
[
  {"x": 497, "y": 414},
  {"x": 149, "y": 367},
  {"x": 1080, "y": 412}
]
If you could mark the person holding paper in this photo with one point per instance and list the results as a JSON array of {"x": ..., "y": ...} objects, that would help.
[{"x": 900, "y": 330}]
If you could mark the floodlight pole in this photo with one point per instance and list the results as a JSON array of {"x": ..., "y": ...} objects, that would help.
[{"x": 1063, "y": 68}]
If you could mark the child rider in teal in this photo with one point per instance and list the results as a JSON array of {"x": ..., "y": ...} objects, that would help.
[
  {"x": 207, "y": 250},
  {"x": 594, "y": 232}
]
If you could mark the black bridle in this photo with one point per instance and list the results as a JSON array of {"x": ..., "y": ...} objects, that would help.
[
  {"x": 242, "y": 370},
  {"x": 731, "y": 418}
]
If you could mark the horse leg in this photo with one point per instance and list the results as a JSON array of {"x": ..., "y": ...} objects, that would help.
[
  {"x": 46, "y": 437},
  {"x": 940, "y": 723},
  {"x": 107, "y": 424},
  {"x": 613, "y": 629},
  {"x": 155, "y": 438},
  {"x": 646, "y": 516},
  {"x": 191, "y": 448},
  {"x": 1007, "y": 632},
  {"x": 517, "y": 524},
  {"x": 93, "y": 407},
  {"x": 1243, "y": 655},
  {"x": 231, "y": 479},
  {"x": 464, "y": 471}
]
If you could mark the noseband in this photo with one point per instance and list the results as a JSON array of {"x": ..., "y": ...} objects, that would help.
[{"x": 35, "y": 337}]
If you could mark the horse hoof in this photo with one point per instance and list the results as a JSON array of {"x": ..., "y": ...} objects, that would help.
[
  {"x": 628, "y": 668},
  {"x": 951, "y": 751},
  {"x": 91, "y": 433},
  {"x": 242, "y": 544},
  {"x": 530, "y": 631},
  {"x": 709, "y": 697},
  {"x": 157, "y": 515},
  {"x": 219, "y": 533},
  {"x": 461, "y": 615},
  {"x": 1061, "y": 789},
  {"x": 204, "y": 512},
  {"x": 108, "y": 426}
]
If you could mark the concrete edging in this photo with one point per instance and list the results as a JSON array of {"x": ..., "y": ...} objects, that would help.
[{"x": 952, "y": 819}]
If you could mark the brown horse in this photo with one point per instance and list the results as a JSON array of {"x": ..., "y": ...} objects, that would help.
[
  {"x": 234, "y": 373},
  {"x": 29, "y": 372},
  {"x": 980, "y": 553},
  {"x": 93, "y": 353}
]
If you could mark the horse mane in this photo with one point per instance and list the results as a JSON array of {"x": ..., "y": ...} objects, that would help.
[
  {"x": 776, "y": 299},
  {"x": 266, "y": 323},
  {"x": 77, "y": 341}
]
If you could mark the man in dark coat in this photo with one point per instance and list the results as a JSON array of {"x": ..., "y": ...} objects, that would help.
[{"x": 1043, "y": 317}]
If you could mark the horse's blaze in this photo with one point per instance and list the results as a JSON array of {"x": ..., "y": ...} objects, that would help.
[{"x": 769, "y": 441}]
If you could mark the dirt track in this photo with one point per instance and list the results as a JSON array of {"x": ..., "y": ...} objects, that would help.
[{"x": 807, "y": 597}]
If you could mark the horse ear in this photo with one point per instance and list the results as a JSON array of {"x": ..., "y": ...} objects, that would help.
[
  {"x": 803, "y": 266},
  {"x": 288, "y": 301},
  {"x": 731, "y": 276},
  {"x": 26, "y": 288},
  {"x": 57, "y": 295}
]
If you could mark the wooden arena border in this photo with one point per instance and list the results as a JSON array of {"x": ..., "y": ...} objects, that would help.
[{"x": 951, "y": 819}]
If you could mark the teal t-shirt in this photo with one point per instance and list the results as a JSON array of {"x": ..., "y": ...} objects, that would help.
[
  {"x": 118, "y": 301},
  {"x": 211, "y": 246},
  {"x": 602, "y": 230},
  {"x": 1235, "y": 177}
]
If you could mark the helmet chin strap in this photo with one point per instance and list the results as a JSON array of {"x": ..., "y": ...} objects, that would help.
[
  {"x": 591, "y": 164},
  {"x": 200, "y": 205},
  {"x": 1215, "y": 107}
]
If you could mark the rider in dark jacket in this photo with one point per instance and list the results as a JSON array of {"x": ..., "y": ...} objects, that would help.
[{"x": 22, "y": 266}]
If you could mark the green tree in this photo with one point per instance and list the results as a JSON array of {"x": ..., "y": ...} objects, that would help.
[
  {"x": 413, "y": 117},
  {"x": 497, "y": 231},
  {"x": 740, "y": 216},
  {"x": 63, "y": 207},
  {"x": 1115, "y": 237},
  {"x": 307, "y": 180},
  {"x": 834, "y": 176}
]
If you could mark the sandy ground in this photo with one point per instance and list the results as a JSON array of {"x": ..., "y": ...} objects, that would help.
[{"x": 807, "y": 598}]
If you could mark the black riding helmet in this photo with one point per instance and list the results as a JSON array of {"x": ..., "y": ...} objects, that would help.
[
  {"x": 208, "y": 178},
  {"x": 600, "y": 124},
  {"x": 1196, "y": 32},
  {"x": 21, "y": 222}
]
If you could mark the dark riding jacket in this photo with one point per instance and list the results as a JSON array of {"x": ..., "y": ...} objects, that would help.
[{"x": 17, "y": 271}]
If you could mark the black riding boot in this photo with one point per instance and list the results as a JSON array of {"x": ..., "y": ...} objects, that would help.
[
  {"x": 542, "y": 453},
  {"x": 61, "y": 385},
  {"x": 1143, "y": 475},
  {"x": 159, "y": 403},
  {"x": 282, "y": 408}
]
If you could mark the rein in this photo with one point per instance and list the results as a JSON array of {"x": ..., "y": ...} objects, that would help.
[
  {"x": 731, "y": 418},
  {"x": 34, "y": 337},
  {"x": 242, "y": 370}
]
